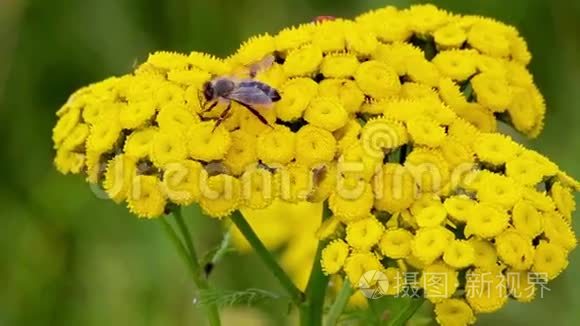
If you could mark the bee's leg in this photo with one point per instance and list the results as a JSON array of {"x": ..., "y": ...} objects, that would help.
[
  {"x": 223, "y": 116},
  {"x": 211, "y": 107},
  {"x": 255, "y": 112}
]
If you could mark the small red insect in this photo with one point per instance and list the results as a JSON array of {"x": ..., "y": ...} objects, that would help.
[{"x": 319, "y": 19}]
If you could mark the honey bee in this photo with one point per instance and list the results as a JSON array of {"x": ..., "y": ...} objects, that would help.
[{"x": 247, "y": 92}]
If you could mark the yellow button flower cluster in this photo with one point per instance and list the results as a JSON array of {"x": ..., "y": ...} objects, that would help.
[{"x": 390, "y": 118}]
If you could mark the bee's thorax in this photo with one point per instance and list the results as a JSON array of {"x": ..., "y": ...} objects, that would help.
[{"x": 223, "y": 86}]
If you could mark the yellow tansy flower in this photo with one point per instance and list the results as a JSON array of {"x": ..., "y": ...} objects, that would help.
[
  {"x": 242, "y": 153},
  {"x": 495, "y": 149},
  {"x": 515, "y": 249},
  {"x": 539, "y": 200},
  {"x": 183, "y": 181},
  {"x": 176, "y": 116},
  {"x": 314, "y": 145},
  {"x": 139, "y": 143},
  {"x": 65, "y": 124},
  {"x": 294, "y": 182},
  {"x": 381, "y": 135},
  {"x": 293, "y": 37},
  {"x": 359, "y": 263},
  {"x": 550, "y": 260},
  {"x": 563, "y": 199},
  {"x": 254, "y": 49},
  {"x": 463, "y": 131},
  {"x": 485, "y": 290},
  {"x": 277, "y": 146},
  {"x": 220, "y": 195},
  {"x": 257, "y": 188},
  {"x": 488, "y": 39},
  {"x": 521, "y": 285},
  {"x": 485, "y": 254},
  {"x": 426, "y": 18},
  {"x": 395, "y": 188},
  {"x": 397, "y": 55},
  {"x": 119, "y": 177},
  {"x": 449, "y": 36},
  {"x": 323, "y": 181},
  {"x": 137, "y": 114},
  {"x": 454, "y": 312},
  {"x": 396, "y": 243},
  {"x": 423, "y": 71},
  {"x": 439, "y": 282},
  {"x": 459, "y": 254},
  {"x": 66, "y": 161},
  {"x": 498, "y": 190},
  {"x": 327, "y": 113},
  {"x": 104, "y": 134},
  {"x": 559, "y": 231},
  {"x": 351, "y": 206},
  {"x": 339, "y": 65},
  {"x": 492, "y": 91},
  {"x": 547, "y": 167},
  {"x": 391, "y": 117},
  {"x": 526, "y": 172},
  {"x": 360, "y": 39},
  {"x": 486, "y": 221},
  {"x": 76, "y": 138},
  {"x": 388, "y": 24},
  {"x": 456, "y": 64},
  {"x": 458, "y": 207},
  {"x": 296, "y": 95},
  {"x": 333, "y": 256},
  {"x": 329, "y": 35},
  {"x": 430, "y": 170},
  {"x": 168, "y": 147},
  {"x": 426, "y": 132},
  {"x": 303, "y": 61},
  {"x": 146, "y": 199},
  {"x": 430, "y": 243},
  {"x": 346, "y": 90},
  {"x": 527, "y": 220},
  {"x": 478, "y": 116},
  {"x": 207, "y": 144},
  {"x": 431, "y": 216},
  {"x": 167, "y": 60},
  {"x": 364, "y": 234},
  {"x": 377, "y": 79},
  {"x": 347, "y": 135},
  {"x": 413, "y": 91}
]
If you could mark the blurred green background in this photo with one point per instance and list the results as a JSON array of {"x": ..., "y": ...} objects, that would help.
[{"x": 70, "y": 258}]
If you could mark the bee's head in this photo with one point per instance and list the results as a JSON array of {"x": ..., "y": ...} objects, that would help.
[{"x": 208, "y": 91}]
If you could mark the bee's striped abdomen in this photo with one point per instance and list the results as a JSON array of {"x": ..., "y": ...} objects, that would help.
[{"x": 270, "y": 91}]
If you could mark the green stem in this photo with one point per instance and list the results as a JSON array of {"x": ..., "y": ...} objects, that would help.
[
  {"x": 295, "y": 294},
  {"x": 186, "y": 237},
  {"x": 189, "y": 256},
  {"x": 339, "y": 304},
  {"x": 311, "y": 311},
  {"x": 403, "y": 315}
]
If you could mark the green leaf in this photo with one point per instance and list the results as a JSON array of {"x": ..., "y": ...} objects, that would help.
[
  {"x": 394, "y": 311},
  {"x": 229, "y": 298}
]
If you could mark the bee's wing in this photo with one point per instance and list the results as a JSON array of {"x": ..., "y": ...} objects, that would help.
[
  {"x": 252, "y": 69},
  {"x": 261, "y": 65},
  {"x": 250, "y": 95}
]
